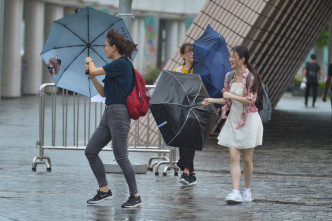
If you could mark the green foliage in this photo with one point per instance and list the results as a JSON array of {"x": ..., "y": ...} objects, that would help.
[
  {"x": 323, "y": 39},
  {"x": 321, "y": 84},
  {"x": 297, "y": 80},
  {"x": 151, "y": 76}
]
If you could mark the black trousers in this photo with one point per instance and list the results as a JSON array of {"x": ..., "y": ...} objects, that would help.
[
  {"x": 186, "y": 159},
  {"x": 314, "y": 87}
]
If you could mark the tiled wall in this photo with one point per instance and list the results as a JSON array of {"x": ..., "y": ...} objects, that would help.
[{"x": 278, "y": 33}]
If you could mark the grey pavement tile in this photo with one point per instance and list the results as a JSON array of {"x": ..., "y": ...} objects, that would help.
[{"x": 292, "y": 175}]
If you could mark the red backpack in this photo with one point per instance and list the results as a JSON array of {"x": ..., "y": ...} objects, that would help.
[{"x": 138, "y": 101}]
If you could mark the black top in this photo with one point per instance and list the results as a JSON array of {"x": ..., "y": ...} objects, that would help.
[
  {"x": 312, "y": 72},
  {"x": 118, "y": 71}
]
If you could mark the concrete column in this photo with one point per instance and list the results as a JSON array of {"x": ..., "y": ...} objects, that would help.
[
  {"x": 181, "y": 31},
  {"x": 171, "y": 38},
  {"x": 13, "y": 18},
  {"x": 134, "y": 35},
  {"x": 1, "y": 39},
  {"x": 138, "y": 35},
  {"x": 34, "y": 42},
  {"x": 69, "y": 10},
  {"x": 125, "y": 12},
  {"x": 52, "y": 13},
  {"x": 330, "y": 41}
]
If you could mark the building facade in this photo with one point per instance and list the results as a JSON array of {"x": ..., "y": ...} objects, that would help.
[{"x": 156, "y": 27}]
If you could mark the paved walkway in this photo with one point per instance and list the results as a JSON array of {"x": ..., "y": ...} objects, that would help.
[{"x": 292, "y": 177}]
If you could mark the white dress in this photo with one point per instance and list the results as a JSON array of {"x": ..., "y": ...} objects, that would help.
[{"x": 248, "y": 136}]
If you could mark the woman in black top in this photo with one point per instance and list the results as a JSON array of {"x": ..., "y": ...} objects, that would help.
[{"x": 115, "y": 122}]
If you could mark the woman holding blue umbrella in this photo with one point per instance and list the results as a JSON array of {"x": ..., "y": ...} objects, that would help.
[
  {"x": 243, "y": 129},
  {"x": 186, "y": 161},
  {"x": 115, "y": 122}
]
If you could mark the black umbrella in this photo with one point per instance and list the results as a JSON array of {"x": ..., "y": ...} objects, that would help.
[{"x": 176, "y": 106}]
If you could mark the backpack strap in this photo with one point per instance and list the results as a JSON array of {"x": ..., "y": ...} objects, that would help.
[{"x": 231, "y": 76}]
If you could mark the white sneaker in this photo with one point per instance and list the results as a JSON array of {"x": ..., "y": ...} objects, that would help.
[
  {"x": 234, "y": 197},
  {"x": 247, "y": 196}
]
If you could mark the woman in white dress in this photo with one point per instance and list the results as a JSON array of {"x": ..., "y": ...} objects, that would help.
[{"x": 243, "y": 129}]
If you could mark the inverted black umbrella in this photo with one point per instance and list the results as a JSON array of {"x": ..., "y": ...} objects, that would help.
[
  {"x": 71, "y": 40},
  {"x": 176, "y": 107}
]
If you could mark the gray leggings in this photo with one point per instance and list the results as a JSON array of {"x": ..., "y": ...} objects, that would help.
[{"x": 114, "y": 125}]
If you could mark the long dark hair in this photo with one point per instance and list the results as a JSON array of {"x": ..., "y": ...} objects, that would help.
[
  {"x": 183, "y": 49},
  {"x": 243, "y": 52},
  {"x": 124, "y": 46}
]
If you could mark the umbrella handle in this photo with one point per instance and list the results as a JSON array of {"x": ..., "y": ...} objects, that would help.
[{"x": 87, "y": 72}]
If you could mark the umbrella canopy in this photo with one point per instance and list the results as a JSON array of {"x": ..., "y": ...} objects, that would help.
[
  {"x": 211, "y": 61},
  {"x": 71, "y": 40},
  {"x": 176, "y": 107}
]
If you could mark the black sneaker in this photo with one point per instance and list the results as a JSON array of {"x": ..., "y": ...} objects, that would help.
[
  {"x": 101, "y": 196},
  {"x": 132, "y": 202},
  {"x": 192, "y": 179},
  {"x": 185, "y": 179}
]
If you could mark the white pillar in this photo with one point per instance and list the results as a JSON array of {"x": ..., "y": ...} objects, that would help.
[
  {"x": 1, "y": 39},
  {"x": 125, "y": 8},
  {"x": 69, "y": 10},
  {"x": 52, "y": 13},
  {"x": 138, "y": 34},
  {"x": 141, "y": 45},
  {"x": 181, "y": 31},
  {"x": 171, "y": 38},
  {"x": 330, "y": 42},
  {"x": 13, "y": 18},
  {"x": 34, "y": 42},
  {"x": 134, "y": 34}
]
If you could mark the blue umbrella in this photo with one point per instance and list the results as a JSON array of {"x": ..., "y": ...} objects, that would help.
[
  {"x": 71, "y": 40},
  {"x": 211, "y": 61}
]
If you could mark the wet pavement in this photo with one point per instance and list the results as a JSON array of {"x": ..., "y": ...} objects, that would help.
[{"x": 292, "y": 174}]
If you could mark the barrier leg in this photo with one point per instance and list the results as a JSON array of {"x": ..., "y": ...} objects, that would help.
[
  {"x": 170, "y": 164},
  {"x": 151, "y": 165},
  {"x": 40, "y": 160}
]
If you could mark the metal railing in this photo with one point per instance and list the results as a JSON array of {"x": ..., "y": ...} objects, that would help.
[{"x": 68, "y": 125}]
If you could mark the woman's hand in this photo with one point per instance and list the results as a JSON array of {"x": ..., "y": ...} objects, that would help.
[
  {"x": 227, "y": 95},
  {"x": 87, "y": 60},
  {"x": 324, "y": 98},
  {"x": 206, "y": 101}
]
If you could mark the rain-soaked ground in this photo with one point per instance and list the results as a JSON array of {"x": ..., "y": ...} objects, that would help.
[{"x": 292, "y": 174}]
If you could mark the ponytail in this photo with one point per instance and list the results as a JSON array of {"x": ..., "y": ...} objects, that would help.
[
  {"x": 124, "y": 46},
  {"x": 257, "y": 86}
]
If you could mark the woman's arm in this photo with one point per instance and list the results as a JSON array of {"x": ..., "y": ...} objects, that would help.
[
  {"x": 243, "y": 100},
  {"x": 93, "y": 70},
  {"x": 98, "y": 86},
  {"x": 208, "y": 101}
]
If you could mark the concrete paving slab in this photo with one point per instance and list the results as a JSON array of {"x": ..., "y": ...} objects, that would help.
[{"x": 292, "y": 174}]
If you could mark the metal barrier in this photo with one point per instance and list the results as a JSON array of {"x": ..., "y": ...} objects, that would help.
[{"x": 144, "y": 135}]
